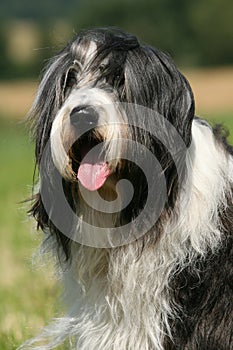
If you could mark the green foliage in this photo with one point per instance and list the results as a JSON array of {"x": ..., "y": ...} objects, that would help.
[
  {"x": 42, "y": 10},
  {"x": 211, "y": 22},
  {"x": 194, "y": 32}
]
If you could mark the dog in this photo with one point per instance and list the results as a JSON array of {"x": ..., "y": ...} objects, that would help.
[{"x": 134, "y": 199}]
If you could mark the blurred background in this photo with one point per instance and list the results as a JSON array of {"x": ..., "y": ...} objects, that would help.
[{"x": 197, "y": 34}]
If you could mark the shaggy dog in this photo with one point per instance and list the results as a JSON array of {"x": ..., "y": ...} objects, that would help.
[{"x": 135, "y": 201}]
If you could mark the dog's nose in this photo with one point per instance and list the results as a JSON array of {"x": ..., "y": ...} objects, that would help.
[{"x": 83, "y": 116}]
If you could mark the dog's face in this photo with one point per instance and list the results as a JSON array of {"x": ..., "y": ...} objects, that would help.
[{"x": 104, "y": 102}]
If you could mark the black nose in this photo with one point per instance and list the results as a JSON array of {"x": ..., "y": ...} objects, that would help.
[{"x": 83, "y": 116}]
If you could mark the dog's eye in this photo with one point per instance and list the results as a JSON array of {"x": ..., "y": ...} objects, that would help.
[
  {"x": 70, "y": 81},
  {"x": 102, "y": 68}
]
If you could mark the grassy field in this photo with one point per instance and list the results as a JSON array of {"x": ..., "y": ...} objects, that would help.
[{"x": 27, "y": 295}]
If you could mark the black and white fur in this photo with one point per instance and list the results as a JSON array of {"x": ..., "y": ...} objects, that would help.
[{"x": 172, "y": 287}]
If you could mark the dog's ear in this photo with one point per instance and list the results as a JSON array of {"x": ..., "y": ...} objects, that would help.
[
  {"x": 161, "y": 87},
  {"x": 38, "y": 212},
  {"x": 48, "y": 101},
  {"x": 63, "y": 243}
]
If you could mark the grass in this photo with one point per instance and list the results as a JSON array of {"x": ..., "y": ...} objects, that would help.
[
  {"x": 27, "y": 295},
  {"x": 225, "y": 119}
]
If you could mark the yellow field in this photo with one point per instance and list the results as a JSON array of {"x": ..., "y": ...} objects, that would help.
[
  {"x": 16, "y": 98},
  {"x": 213, "y": 90}
]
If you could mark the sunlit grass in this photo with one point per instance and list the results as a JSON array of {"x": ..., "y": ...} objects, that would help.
[
  {"x": 26, "y": 295},
  {"x": 226, "y": 120}
]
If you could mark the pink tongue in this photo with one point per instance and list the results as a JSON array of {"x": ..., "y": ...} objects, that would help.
[{"x": 93, "y": 176}]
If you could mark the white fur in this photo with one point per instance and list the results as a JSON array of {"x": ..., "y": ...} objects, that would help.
[
  {"x": 117, "y": 302},
  {"x": 110, "y": 121},
  {"x": 87, "y": 53}
]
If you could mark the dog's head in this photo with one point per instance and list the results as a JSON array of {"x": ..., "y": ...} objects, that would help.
[{"x": 105, "y": 104}]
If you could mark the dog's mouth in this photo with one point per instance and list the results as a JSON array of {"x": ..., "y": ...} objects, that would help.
[{"x": 88, "y": 163}]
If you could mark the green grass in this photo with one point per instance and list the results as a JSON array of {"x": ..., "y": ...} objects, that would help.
[
  {"x": 27, "y": 295},
  {"x": 226, "y": 120}
]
